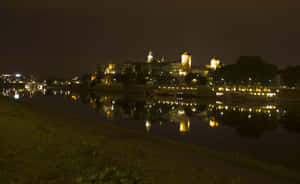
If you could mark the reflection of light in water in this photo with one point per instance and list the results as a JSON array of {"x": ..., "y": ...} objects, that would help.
[
  {"x": 184, "y": 126},
  {"x": 181, "y": 112},
  {"x": 243, "y": 108},
  {"x": 194, "y": 109},
  {"x": 27, "y": 87},
  {"x": 16, "y": 96},
  {"x": 219, "y": 94},
  {"x": 148, "y": 125},
  {"x": 108, "y": 114},
  {"x": 249, "y": 116},
  {"x": 213, "y": 124},
  {"x": 40, "y": 87}
]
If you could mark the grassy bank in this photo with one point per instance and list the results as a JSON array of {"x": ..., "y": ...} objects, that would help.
[{"x": 40, "y": 145}]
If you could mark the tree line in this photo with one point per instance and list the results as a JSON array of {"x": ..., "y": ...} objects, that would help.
[{"x": 253, "y": 70}]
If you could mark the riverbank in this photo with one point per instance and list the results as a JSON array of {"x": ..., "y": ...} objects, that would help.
[{"x": 40, "y": 145}]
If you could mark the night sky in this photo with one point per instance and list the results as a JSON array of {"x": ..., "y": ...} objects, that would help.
[{"x": 65, "y": 38}]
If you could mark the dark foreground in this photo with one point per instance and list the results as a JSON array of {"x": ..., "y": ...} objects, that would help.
[{"x": 40, "y": 145}]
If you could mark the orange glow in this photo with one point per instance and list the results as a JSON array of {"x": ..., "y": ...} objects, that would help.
[
  {"x": 183, "y": 127},
  {"x": 93, "y": 77},
  {"x": 213, "y": 124}
]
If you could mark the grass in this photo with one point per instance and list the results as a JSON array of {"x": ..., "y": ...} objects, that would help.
[{"x": 40, "y": 145}]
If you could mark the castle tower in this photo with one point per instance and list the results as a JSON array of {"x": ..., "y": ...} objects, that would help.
[
  {"x": 186, "y": 60},
  {"x": 186, "y": 63},
  {"x": 150, "y": 57},
  {"x": 214, "y": 63}
]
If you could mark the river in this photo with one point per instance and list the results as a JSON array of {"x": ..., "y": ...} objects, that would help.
[{"x": 266, "y": 131}]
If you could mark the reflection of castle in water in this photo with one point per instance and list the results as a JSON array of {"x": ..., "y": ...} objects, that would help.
[
  {"x": 178, "y": 111},
  {"x": 249, "y": 120}
]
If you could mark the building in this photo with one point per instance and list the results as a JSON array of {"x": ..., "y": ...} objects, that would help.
[
  {"x": 215, "y": 64},
  {"x": 155, "y": 66},
  {"x": 186, "y": 64}
]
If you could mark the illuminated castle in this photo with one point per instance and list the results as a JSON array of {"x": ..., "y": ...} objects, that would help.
[
  {"x": 186, "y": 63},
  {"x": 215, "y": 63},
  {"x": 186, "y": 60},
  {"x": 150, "y": 57}
]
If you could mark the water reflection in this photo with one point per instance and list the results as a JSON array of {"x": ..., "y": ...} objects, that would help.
[
  {"x": 30, "y": 91},
  {"x": 248, "y": 120}
]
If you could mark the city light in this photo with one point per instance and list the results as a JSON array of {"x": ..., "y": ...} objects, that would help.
[
  {"x": 148, "y": 125},
  {"x": 214, "y": 63},
  {"x": 16, "y": 96}
]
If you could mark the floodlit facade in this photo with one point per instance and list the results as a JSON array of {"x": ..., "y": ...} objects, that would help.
[
  {"x": 110, "y": 69},
  {"x": 150, "y": 57},
  {"x": 153, "y": 66},
  {"x": 186, "y": 64},
  {"x": 215, "y": 64}
]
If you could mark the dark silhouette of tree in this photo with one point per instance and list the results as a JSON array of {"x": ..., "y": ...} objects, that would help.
[
  {"x": 86, "y": 78},
  {"x": 191, "y": 76},
  {"x": 164, "y": 78},
  {"x": 1, "y": 82},
  {"x": 128, "y": 77},
  {"x": 100, "y": 72},
  {"x": 247, "y": 70},
  {"x": 290, "y": 76}
]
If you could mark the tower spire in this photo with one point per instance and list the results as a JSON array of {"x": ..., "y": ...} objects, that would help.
[{"x": 150, "y": 57}]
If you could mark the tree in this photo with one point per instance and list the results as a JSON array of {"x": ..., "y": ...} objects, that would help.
[
  {"x": 195, "y": 79},
  {"x": 128, "y": 77},
  {"x": 86, "y": 78},
  {"x": 290, "y": 76},
  {"x": 1, "y": 82},
  {"x": 165, "y": 78},
  {"x": 247, "y": 70},
  {"x": 100, "y": 71}
]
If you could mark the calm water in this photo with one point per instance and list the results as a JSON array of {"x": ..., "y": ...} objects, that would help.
[{"x": 266, "y": 131}]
